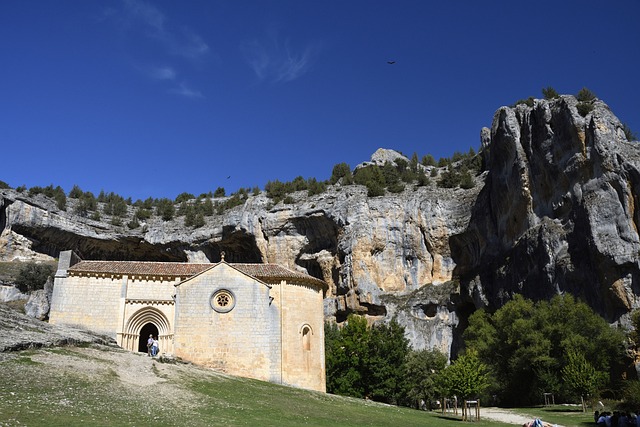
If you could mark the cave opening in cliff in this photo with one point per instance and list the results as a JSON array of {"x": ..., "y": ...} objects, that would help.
[{"x": 238, "y": 246}]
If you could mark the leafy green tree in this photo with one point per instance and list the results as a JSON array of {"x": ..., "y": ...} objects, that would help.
[
  {"x": 86, "y": 203},
  {"x": 61, "y": 200},
  {"x": 299, "y": 184},
  {"x": 449, "y": 178},
  {"x": 423, "y": 369},
  {"x": 183, "y": 208},
  {"x": 143, "y": 214},
  {"x": 413, "y": 163},
  {"x": 199, "y": 220},
  {"x": 422, "y": 178},
  {"x": 114, "y": 204},
  {"x": 631, "y": 395},
  {"x": 466, "y": 180},
  {"x": 347, "y": 351},
  {"x": 585, "y": 101},
  {"x": 528, "y": 102},
  {"x": 316, "y": 187},
  {"x": 341, "y": 171},
  {"x": 387, "y": 357},
  {"x": 549, "y": 93},
  {"x": 207, "y": 207},
  {"x": 444, "y": 161},
  {"x": 428, "y": 160},
  {"x": 390, "y": 174},
  {"x": 371, "y": 177},
  {"x": 374, "y": 189},
  {"x": 584, "y": 108},
  {"x": 396, "y": 187},
  {"x": 75, "y": 192},
  {"x": 183, "y": 197},
  {"x": 33, "y": 276},
  {"x": 585, "y": 95},
  {"x": 526, "y": 344},
  {"x": 148, "y": 203},
  {"x": 220, "y": 192},
  {"x": 277, "y": 190},
  {"x": 580, "y": 376},
  {"x": 628, "y": 133},
  {"x": 634, "y": 333},
  {"x": 467, "y": 377},
  {"x": 165, "y": 209},
  {"x": 189, "y": 216},
  {"x": 366, "y": 362}
]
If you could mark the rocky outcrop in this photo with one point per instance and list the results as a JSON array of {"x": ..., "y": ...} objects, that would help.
[
  {"x": 39, "y": 302},
  {"x": 559, "y": 210},
  {"x": 21, "y": 332}
]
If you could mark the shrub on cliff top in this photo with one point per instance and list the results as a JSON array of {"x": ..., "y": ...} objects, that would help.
[
  {"x": 549, "y": 93},
  {"x": 585, "y": 95}
]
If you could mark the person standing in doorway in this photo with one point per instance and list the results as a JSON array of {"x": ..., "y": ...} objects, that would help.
[
  {"x": 155, "y": 347},
  {"x": 149, "y": 345}
]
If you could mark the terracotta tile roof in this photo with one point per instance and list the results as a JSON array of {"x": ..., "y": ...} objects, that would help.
[
  {"x": 142, "y": 268},
  {"x": 275, "y": 271},
  {"x": 264, "y": 272}
]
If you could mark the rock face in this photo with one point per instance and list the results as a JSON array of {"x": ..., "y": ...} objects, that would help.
[
  {"x": 558, "y": 213},
  {"x": 364, "y": 248},
  {"x": 556, "y": 210}
]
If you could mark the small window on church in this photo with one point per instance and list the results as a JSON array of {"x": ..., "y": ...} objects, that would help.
[
  {"x": 306, "y": 338},
  {"x": 223, "y": 301}
]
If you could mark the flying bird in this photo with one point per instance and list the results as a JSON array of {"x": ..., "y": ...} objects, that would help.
[{"x": 391, "y": 62}]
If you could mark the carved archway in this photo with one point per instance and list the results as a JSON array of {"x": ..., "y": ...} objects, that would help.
[{"x": 140, "y": 320}]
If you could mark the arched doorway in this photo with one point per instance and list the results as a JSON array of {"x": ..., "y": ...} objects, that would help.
[
  {"x": 144, "y": 322},
  {"x": 148, "y": 329}
]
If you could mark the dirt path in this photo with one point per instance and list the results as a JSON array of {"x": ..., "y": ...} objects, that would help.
[{"x": 506, "y": 416}]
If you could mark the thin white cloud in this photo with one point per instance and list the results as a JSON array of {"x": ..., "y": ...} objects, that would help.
[
  {"x": 140, "y": 15},
  {"x": 275, "y": 61},
  {"x": 162, "y": 73},
  {"x": 187, "y": 92}
]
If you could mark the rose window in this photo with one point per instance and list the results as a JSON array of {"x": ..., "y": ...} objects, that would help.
[{"x": 223, "y": 301}]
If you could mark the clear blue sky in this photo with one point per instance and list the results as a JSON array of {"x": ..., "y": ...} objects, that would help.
[{"x": 154, "y": 98}]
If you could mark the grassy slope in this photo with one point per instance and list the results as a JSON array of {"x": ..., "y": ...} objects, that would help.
[{"x": 100, "y": 386}]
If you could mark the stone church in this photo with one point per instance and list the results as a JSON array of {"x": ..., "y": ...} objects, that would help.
[{"x": 260, "y": 321}]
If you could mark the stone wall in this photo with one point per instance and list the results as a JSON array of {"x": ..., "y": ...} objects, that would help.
[
  {"x": 84, "y": 301},
  {"x": 302, "y": 336},
  {"x": 243, "y": 341}
]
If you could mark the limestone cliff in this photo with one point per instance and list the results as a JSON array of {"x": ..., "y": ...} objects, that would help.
[
  {"x": 555, "y": 211},
  {"x": 559, "y": 210}
]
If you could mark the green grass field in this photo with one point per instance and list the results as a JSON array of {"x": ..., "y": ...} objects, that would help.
[{"x": 102, "y": 386}]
